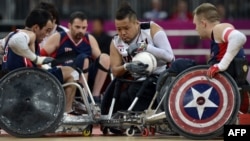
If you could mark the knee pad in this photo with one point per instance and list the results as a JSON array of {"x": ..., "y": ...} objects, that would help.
[{"x": 100, "y": 66}]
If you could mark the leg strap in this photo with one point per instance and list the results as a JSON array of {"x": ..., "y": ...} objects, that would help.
[{"x": 100, "y": 66}]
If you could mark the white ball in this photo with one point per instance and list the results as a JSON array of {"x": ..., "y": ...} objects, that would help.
[{"x": 146, "y": 58}]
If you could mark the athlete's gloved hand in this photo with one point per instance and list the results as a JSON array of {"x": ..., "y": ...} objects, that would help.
[
  {"x": 136, "y": 67},
  {"x": 40, "y": 60},
  {"x": 212, "y": 71},
  {"x": 136, "y": 48}
]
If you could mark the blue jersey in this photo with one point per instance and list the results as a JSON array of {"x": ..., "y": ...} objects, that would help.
[
  {"x": 68, "y": 50},
  {"x": 13, "y": 61}
]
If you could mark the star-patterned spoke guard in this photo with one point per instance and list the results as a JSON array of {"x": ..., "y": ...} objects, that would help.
[{"x": 198, "y": 107}]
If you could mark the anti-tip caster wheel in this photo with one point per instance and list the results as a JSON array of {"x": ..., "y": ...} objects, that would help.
[
  {"x": 145, "y": 132},
  {"x": 130, "y": 132},
  {"x": 88, "y": 131},
  {"x": 152, "y": 130}
]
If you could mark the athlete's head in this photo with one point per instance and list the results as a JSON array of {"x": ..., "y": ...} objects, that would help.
[
  {"x": 51, "y": 9},
  {"x": 127, "y": 25},
  {"x": 78, "y": 25},
  {"x": 40, "y": 22},
  {"x": 98, "y": 25},
  {"x": 205, "y": 14}
]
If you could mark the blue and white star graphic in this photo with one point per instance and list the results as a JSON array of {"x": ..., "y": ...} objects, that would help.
[
  {"x": 201, "y": 101},
  {"x": 198, "y": 105}
]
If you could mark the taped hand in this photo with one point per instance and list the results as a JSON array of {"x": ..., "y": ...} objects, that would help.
[
  {"x": 136, "y": 67},
  {"x": 212, "y": 71},
  {"x": 136, "y": 48}
]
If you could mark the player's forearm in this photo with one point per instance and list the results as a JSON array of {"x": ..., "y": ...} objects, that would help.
[{"x": 118, "y": 71}]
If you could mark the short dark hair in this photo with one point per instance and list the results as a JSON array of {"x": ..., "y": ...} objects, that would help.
[
  {"x": 39, "y": 17},
  {"x": 50, "y": 7},
  {"x": 125, "y": 11},
  {"x": 77, "y": 15}
]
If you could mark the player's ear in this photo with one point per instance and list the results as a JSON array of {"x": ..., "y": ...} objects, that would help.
[
  {"x": 204, "y": 22},
  {"x": 35, "y": 27}
]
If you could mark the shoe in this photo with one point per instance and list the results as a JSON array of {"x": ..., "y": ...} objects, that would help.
[
  {"x": 71, "y": 118},
  {"x": 79, "y": 108}
]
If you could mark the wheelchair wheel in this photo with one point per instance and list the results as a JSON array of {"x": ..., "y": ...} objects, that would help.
[
  {"x": 163, "y": 86},
  {"x": 197, "y": 107},
  {"x": 31, "y": 102}
]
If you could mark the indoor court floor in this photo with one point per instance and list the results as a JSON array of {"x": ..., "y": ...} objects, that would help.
[
  {"x": 101, "y": 138},
  {"x": 98, "y": 136}
]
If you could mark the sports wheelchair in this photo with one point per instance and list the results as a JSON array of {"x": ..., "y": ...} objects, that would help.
[
  {"x": 189, "y": 103},
  {"x": 32, "y": 103}
]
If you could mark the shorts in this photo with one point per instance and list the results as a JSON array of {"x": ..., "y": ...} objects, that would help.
[{"x": 57, "y": 72}]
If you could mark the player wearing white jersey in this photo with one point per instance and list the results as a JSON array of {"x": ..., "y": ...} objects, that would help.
[{"x": 133, "y": 37}]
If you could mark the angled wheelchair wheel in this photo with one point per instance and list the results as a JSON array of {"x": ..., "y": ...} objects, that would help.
[
  {"x": 162, "y": 86},
  {"x": 31, "y": 102},
  {"x": 197, "y": 107}
]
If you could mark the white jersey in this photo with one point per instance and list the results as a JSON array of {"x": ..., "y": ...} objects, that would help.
[{"x": 143, "y": 36}]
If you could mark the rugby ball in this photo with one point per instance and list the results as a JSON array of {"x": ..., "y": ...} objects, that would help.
[{"x": 146, "y": 58}]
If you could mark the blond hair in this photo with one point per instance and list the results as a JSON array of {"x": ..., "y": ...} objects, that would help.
[{"x": 207, "y": 11}]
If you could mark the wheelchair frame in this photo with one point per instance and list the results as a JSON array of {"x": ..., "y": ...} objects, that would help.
[
  {"x": 146, "y": 121},
  {"x": 149, "y": 120}
]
